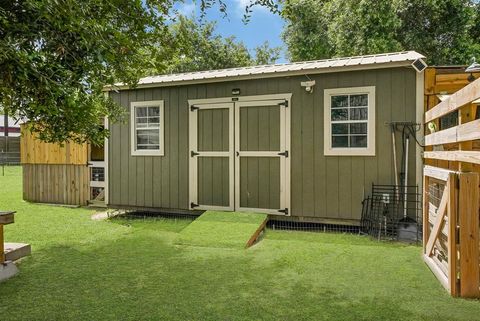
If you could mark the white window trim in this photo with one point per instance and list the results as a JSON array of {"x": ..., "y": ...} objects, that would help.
[
  {"x": 150, "y": 103},
  {"x": 367, "y": 151}
]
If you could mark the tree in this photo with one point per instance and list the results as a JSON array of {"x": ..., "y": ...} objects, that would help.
[
  {"x": 197, "y": 47},
  {"x": 57, "y": 55},
  {"x": 446, "y": 31}
]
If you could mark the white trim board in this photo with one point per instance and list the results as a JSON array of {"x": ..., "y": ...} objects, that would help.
[
  {"x": 420, "y": 111},
  {"x": 193, "y": 161},
  {"x": 234, "y": 99},
  {"x": 106, "y": 160},
  {"x": 284, "y": 166}
]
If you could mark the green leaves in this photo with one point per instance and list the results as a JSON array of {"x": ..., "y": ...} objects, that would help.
[
  {"x": 446, "y": 31},
  {"x": 56, "y": 56},
  {"x": 195, "y": 46}
]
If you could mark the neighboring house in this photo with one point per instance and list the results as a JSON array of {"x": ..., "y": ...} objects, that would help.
[
  {"x": 9, "y": 140},
  {"x": 302, "y": 141},
  {"x": 10, "y": 126}
]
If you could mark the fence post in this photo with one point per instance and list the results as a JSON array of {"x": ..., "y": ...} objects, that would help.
[
  {"x": 452, "y": 235},
  {"x": 468, "y": 221}
]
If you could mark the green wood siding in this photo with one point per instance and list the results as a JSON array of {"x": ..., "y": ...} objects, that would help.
[
  {"x": 260, "y": 182},
  {"x": 213, "y": 130},
  {"x": 330, "y": 187},
  {"x": 260, "y": 128},
  {"x": 213, "y": 181}
]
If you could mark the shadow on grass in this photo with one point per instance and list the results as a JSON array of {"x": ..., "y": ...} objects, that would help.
[{"x": 142, "y": 275}]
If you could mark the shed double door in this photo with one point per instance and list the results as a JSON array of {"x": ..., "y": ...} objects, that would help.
[{"x": 238, "y": 156}]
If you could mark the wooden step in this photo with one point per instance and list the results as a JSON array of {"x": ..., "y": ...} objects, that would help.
[{"x": 15, "y": 251}]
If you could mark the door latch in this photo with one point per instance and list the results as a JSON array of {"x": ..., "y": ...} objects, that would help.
[{"x": 285, "y": 153}]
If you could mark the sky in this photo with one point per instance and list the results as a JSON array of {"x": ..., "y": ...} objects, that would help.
[{"x": 263, "y": 25}]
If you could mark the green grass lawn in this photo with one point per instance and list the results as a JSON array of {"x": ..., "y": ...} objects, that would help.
[{"x": 132, "y": 270}]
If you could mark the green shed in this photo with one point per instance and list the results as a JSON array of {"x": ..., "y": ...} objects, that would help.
[{"x": 302, "y": 141}]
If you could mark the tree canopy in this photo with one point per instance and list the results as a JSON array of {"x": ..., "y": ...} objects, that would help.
[
  {"x": 57, "y": 55},
  {"x": 197, "y": 47},
  {"x": 446, "y": 31}
]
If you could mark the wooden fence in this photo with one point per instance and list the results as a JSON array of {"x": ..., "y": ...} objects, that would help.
[
  {"x": 54, "y": 173},
  {"x": 34, "y": 151},
  {"x": 451, "y": 195},
  {"x": 56, "y": 183}
]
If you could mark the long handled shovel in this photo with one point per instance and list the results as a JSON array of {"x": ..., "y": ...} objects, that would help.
[{"x": 394, "y": 146}]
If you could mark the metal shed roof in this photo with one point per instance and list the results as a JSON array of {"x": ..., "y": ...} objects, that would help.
[{"x": 395, "y": 59}]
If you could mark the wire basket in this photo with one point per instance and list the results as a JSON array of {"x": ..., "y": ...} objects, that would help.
[{"x": 392, "y": 212}]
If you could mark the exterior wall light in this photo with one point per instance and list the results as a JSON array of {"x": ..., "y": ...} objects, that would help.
[{"x": 474, "y": 67}]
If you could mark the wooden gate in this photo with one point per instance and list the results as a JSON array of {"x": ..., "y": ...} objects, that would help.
[
  {"x": 450, "y": 231},
  {"x": 451, "y": 245}
]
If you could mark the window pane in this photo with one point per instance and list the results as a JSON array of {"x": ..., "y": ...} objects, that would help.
[
  {"x": 359, "y": 100},
  {"x": 150, "y": 147},
  {"x": 148, "y": 132},
  {"x": 142, "y": 139},
  {"x": 358, "y": 128},
  {"x": 339, "y": 128},
  {"x": 359, "y": 113},
  {"x": 339, "y": 141},
  {"x": 147, "y": 138},
  {"x": 147, "y": 125},
  {"x": 154, "y": 138},
  {"x": 153, "y": 121},
  {"x": 340, "y": 101},
  {"x": 340, "y": 114},
  {"x": 142, "y": 122},
  {"x": 358, "y": 141},
  {"x": 153, "y": 111},
  {"x": 141, "y": 111}
]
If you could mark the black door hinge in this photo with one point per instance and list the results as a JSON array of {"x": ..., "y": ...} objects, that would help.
[
  {"x": 284, "y": 104},
  {"x": 193, "y": 154},
  {"x": 284, "y": 211},
  {"x": 193, "y": 108},
  {"x": 285, "y": 153},
  {"x": 193, "y": 205}
]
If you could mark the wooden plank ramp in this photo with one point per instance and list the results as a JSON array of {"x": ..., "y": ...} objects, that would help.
[{"x": 224, "y": 229}]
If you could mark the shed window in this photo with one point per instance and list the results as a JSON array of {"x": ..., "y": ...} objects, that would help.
[
  {"x": 147, "y": 128},
  {"x": 350, "y": 121}
]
